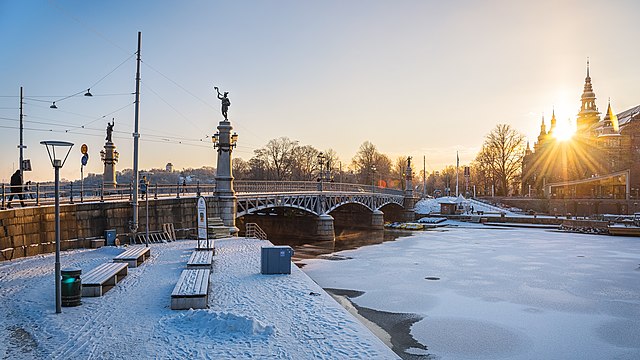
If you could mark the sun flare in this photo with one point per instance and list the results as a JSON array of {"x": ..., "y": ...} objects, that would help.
[{"x": 564, "y": 133}]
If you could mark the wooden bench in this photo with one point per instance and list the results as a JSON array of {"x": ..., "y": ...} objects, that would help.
[
  {"x": 101, "y": 279},
  {"x": 192, "y": 290},
  {"x": 134, "y": 256},
  {"x": 200, "y": 259}
]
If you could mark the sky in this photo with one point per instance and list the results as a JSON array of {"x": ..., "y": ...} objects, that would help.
[{"x": 415, "y": 78}]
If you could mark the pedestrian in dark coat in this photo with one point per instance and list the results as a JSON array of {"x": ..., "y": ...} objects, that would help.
[{"x": 16, "y": 188}]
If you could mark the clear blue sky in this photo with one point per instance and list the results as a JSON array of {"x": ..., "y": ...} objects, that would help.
[{"x": 413, "y": 77}]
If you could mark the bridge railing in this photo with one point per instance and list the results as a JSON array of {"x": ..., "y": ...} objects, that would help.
[
  {"x": 263, "y": 186},
  {"x": 37, "y": 194}
]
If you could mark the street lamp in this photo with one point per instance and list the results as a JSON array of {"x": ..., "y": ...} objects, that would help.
[
  {"x": 57, "y": 162},
  {"x": 373, "y": 176},
  {"x": 321, "y": 158}
]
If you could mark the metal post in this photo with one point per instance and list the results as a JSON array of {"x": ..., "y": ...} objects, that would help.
[
  {"x": 178, "y": 190},
  {"x": 136, "y": 135},
  {"x": 147, "y": 215},
  {"x": 102, "y": 192},
  {"x": 21, "y": 146},
  {"x": 131, "y": 192},
  {"x": 71, "y": 192},
  {"x": 37, "y": 194},
  {"x": 155, "y": 196},
  {"x": 57, "y": 232},
  {"x": 198, "y": 189},
  {"x": 81, "y": 183},
  {"x": 3, "y": 196}
]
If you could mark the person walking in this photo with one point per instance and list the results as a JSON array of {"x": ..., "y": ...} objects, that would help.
[
  {"x": 143, "y": 186},
  {"x": 16, "y": 188}
]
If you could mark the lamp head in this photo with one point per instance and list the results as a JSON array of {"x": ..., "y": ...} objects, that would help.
[{"x": 57, "y": 160}]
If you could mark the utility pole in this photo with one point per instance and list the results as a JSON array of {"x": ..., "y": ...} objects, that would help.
[
  {"x": 424, "y": 176},
  {"x": 21, "y": 146},
  {"x": 136, "y": 135}
]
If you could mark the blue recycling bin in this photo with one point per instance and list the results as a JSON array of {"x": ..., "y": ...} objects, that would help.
[
  {"x": 276, "y": 260},
  {"x": 110, "y": 237}
]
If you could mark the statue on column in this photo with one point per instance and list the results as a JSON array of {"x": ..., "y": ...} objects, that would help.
[
  {"x": 110, "y": 130},
  {"x": 225, "y": 102},
  {"x": 409, "y": 162}
]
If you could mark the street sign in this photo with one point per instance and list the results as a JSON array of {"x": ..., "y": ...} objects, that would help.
[
  {"x": 84, "y": 159},
  {"x": 26, "y": 165},
  {"x": 84, "y": 149}
]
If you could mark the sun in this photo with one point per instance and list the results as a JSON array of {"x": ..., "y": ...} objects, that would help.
[{"x": 564, "y": 133}]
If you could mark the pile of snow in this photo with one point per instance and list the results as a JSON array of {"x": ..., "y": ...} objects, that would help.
[
  {"x": 211, "y": 324},
  {"x": 432, "y": 206}
]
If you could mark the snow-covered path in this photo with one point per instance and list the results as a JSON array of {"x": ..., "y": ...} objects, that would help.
[
  {"x": 250, "y": 315},
  {"x": 489, "y": 293}
]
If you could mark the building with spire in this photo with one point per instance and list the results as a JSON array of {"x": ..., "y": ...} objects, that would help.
[{"x": 602, "y": 160}]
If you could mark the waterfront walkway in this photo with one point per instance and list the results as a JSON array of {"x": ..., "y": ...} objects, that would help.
[{"x": 250, "y": 315}]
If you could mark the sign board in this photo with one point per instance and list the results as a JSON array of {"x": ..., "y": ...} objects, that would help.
[
  {"x": 84, "y": 159},
  {"x": 26, "y": 165},
  {"x": 84, "y": 149},
  {"x": 202, "y": 219}
]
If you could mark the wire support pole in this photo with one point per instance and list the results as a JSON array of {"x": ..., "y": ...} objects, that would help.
[{"x": 136, "y": 136}]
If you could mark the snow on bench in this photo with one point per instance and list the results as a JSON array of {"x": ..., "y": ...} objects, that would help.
[
  {"x": 134, "y": 256},
  {"x": 101, "y": 279},
  {"x": 192, "y": 290},
  {"x": 200, "y": 259}
]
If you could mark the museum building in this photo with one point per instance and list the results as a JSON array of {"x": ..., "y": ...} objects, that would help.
[{"x": 601, "y": 160}]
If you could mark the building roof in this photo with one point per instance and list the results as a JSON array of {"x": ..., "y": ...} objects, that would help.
[{"x": 628, "y": 115}]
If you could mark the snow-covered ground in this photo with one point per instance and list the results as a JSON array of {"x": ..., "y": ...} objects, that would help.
[
  {"x": 250, "y": 315},
  {"x": 489, "y": 293}
]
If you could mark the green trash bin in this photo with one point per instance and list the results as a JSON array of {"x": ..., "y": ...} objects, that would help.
[{"x": 71, "y": 287}]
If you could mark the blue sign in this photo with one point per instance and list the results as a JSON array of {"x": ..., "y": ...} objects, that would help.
[{"x": 84, "y": 159}]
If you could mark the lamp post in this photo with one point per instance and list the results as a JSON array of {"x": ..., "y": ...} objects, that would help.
[
  {"x": 321, "y": 163},
  {"x": 373, "y": 176},
  {"x": 57, "y": 162}
]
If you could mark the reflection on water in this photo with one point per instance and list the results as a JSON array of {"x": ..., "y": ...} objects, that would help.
[{"x": 345, "y": 240}]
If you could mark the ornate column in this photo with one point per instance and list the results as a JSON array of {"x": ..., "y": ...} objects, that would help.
[
  {"x": 110, "y": 157},
  {"x": 225, "y": 142},
  {"x": 409, "y": 213}
]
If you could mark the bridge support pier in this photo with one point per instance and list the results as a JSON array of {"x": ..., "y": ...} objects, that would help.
[
  {"x": 377, "y": 220},
  {"x": 324, "y": 228}
]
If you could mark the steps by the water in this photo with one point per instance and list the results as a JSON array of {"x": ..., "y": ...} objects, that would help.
[{"x": 216, "y": 229}]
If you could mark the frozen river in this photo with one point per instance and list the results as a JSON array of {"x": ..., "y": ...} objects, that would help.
[{"x": 476, "y": 292}]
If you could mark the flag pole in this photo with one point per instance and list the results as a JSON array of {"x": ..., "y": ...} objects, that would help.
[{"x": 457, "y": 166}]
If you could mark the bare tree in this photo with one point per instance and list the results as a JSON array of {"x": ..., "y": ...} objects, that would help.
[
  {"x": 501, "y": 156},
  {"x": 277, "y": 158},
  {"x": 370, "y": 165}
]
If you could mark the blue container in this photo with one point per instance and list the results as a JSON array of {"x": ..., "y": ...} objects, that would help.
[
  {"x": 276, "y": 260},
  {"x": 110, "y": 237}
]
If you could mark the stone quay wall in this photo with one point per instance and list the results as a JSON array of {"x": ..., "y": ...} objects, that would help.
[{"x": 31, "y": 230}]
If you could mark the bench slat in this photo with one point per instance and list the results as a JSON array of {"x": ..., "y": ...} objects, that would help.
[
  {"x": 102, "y": 273},
  {"x": 200, "y": 257},
  {"x": 192, "y": 282},
  {"x": 133, "y": 253}
]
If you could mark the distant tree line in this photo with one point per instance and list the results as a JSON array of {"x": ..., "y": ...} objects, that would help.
[{"x": 496, "y": 169}]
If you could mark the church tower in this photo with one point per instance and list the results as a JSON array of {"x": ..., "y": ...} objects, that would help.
[
  {"x": 588, "y": 115},
  {"x": 553, "y": 123}
]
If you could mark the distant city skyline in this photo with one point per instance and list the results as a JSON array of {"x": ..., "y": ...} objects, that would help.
[{"x": 412, "y": 77}]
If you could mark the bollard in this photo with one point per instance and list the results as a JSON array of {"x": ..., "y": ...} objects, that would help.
[{"x": 71, "y": 192}]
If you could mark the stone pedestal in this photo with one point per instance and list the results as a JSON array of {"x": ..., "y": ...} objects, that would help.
[
  {"x": 377, "y": 220},
  {"x": 225, "y": 194},
  {"x": 324, "y": 228},
  {"x": 110, "y": 157}
]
